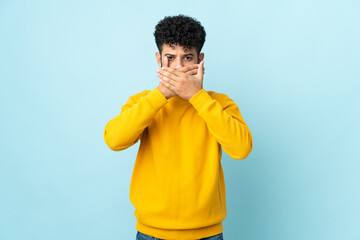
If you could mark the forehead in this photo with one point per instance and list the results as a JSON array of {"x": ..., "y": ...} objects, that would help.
[{"x": 175, "y": 48}]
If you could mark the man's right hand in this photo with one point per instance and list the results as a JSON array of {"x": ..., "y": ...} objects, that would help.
[{"x": 168, "y": 93}]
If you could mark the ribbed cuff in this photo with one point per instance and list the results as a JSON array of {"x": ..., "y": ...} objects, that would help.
[
  {"x": 156, "y": 98},
  {"x": 200, "y": 98}
]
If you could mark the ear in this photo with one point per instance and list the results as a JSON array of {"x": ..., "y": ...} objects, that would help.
[
  {"x": 158, "y": 58},
  {"x": 201, "y": 57}
]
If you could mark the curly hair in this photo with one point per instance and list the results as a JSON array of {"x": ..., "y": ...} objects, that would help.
[{"x": 182, "y": 30}]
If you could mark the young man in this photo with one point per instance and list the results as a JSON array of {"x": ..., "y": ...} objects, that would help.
[{"x": 177, "y": 185}]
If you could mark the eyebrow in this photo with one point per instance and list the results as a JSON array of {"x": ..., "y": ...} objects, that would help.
[{"x": 169, "y": 54}]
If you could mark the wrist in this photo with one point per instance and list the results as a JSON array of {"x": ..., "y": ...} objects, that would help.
[
  {"x": 163, "y": 91},
  {"x": 195, "y": 92}
]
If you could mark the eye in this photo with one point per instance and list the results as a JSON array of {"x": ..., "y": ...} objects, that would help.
[
  {"x": 169, "y": 58},
  {"x": 188, "y": 58}
]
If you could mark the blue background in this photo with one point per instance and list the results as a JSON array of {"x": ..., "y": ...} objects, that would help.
[{"x": 67, "y": 67}]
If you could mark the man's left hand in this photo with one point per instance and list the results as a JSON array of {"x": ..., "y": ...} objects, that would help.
[{"x": 184, "y": 85}]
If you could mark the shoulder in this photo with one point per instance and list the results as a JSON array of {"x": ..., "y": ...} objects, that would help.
[
  {"x": 222, "y": 98},
  {"x": 133, "y": 99},
  {"x": 216, "y": 95},
  {"x": 139, "y": 95}
]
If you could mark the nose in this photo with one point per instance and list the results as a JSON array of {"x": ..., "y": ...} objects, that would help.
[{"x": 178, "y": 63}]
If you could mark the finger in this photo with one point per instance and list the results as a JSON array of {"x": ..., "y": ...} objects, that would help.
[
  {"x": 168, "y": 86},
  {"x": 192, "y": 72},
  {"x": 166, "y": 62},
  {"x": 187, "y": 68},
  {"x": 164, "y": 71},
  {"x": 166, "y": 79},
  {"x": 166, "y": 82},
  {"x": 199, "y": 65},
  {"x": 201, "y": 69},
  {"x": 168, "y": 73},
  {"x": 174, "y": 72}
]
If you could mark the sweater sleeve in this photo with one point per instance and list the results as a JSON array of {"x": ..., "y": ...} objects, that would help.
[
  {"x": 225, "y": 123},
  {"x": 126, "y": 129}
]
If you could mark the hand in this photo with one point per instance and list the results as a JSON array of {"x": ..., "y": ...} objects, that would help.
[
  {"x": 188, "y": 70},
  {"x": 168, "y": 93},
  {"x": 182, "y": 84}
]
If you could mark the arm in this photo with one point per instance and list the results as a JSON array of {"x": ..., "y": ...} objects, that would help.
[
  {"x": 126, "y": 129},
  {"x": 225, "y": 123}
]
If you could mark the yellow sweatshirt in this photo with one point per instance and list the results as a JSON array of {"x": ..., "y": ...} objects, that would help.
[{"x": 177, "y": 185}]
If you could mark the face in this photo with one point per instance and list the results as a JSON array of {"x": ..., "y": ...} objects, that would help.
[{"x": 178, "y": 56}]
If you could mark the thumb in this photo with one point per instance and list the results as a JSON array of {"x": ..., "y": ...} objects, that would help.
[
  {"x": 201, "y": 69},
  {"x": 166, "y": 62}
]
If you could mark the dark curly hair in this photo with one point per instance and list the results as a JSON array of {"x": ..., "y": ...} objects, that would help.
[{"x": 182, "y": 30}]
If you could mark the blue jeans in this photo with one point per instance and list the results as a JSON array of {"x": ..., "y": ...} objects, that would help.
[{"x": 143, "y": 236}]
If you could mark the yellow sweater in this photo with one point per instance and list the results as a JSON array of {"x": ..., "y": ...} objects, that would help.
[{"x": 177, "y": 186}]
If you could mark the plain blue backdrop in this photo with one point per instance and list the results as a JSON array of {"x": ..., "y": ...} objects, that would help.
[{"x": 67, "y": 67}]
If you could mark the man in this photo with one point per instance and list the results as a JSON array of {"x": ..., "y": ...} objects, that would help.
[{"x": 177, "y": 185}]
